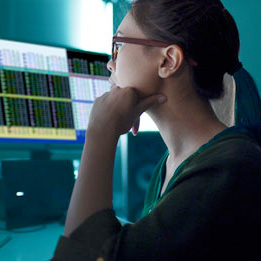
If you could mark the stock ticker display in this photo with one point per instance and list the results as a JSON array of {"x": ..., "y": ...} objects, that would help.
[{"x": 46, "y": 93}]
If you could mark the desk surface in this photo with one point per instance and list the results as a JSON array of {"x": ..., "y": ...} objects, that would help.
[{"x": 31, "y": 246}]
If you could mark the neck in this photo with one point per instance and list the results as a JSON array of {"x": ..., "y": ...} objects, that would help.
[{"x": 185, "y": 124}]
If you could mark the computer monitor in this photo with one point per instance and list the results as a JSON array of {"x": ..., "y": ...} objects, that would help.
[{"x": 46, "y": 94}]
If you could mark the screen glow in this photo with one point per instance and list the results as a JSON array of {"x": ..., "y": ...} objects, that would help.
[{"x": 92, "y": 25}]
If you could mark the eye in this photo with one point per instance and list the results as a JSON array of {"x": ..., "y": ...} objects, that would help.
[{"x": 118, "y": 46}]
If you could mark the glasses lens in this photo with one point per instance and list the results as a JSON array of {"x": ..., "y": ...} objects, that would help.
[{"x": 113, "y": 51}]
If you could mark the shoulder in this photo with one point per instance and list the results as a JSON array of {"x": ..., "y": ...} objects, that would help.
[
  {"x": 227, "y": 157},
  {"x": 229, "y": 167},
  {"x": 236, "y": 148}
]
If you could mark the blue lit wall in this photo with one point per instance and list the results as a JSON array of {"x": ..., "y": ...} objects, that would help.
[
  {"x": 247, "y": 16},
  {"x": 35, "y": 21}
]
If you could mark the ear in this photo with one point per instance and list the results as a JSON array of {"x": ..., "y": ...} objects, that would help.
[{"x": 172, "y": 59}]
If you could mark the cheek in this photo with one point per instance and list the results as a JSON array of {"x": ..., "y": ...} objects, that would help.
[{"x": 137, "y": 72}]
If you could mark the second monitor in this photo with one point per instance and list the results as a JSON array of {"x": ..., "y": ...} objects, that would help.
[{"x": 46, "y": 92}]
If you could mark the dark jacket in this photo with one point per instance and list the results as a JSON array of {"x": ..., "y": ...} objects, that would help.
[{"x": 211, "y": 210}]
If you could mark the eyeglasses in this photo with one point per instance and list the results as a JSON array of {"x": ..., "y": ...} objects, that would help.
[{"x": 117, "y": 39}]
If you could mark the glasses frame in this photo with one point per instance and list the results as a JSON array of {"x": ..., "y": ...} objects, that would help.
[{"x": 146, "y": 42}]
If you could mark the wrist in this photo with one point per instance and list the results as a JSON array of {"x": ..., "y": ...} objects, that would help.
[{"x": 102, "y": 134}]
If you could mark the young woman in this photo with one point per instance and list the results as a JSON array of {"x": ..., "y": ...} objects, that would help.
[{"x": 169, "y": 59}]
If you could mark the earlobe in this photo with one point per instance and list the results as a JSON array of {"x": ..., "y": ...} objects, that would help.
[{"x": 172, "y": 60}]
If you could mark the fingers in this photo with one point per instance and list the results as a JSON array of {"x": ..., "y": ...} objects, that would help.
[
  {"x": 141, "y": 104},
  {"x": 150, "y": 101},
  {"x": 135, "y": 127}
]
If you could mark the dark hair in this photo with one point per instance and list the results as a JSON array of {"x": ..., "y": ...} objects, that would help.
[{"x": 204, "y": 30}]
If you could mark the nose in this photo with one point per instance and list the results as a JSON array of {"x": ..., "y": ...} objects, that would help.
[{"x": 111, "y": 66}]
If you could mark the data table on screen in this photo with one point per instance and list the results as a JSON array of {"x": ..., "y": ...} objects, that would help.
[{"x": 46, "y": 92}]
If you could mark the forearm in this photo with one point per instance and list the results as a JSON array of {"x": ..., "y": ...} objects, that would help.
[
  {"x": 113, "y": 114},
  {"x": 93, "y": 187}
]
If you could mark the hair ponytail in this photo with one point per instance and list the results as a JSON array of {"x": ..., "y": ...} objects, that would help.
[{"x": 247, "y": 103}]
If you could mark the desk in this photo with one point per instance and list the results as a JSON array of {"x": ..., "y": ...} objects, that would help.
[{"x": 32, "y": 246}]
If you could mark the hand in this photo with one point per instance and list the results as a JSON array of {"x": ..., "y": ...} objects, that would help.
[{"x": 118, "y": 110}]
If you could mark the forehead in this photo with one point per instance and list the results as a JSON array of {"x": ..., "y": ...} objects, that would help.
[{"x": 130, "y": 28}]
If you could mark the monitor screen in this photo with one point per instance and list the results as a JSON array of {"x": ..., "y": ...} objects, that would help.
[{"x": 47, "y": 92}]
